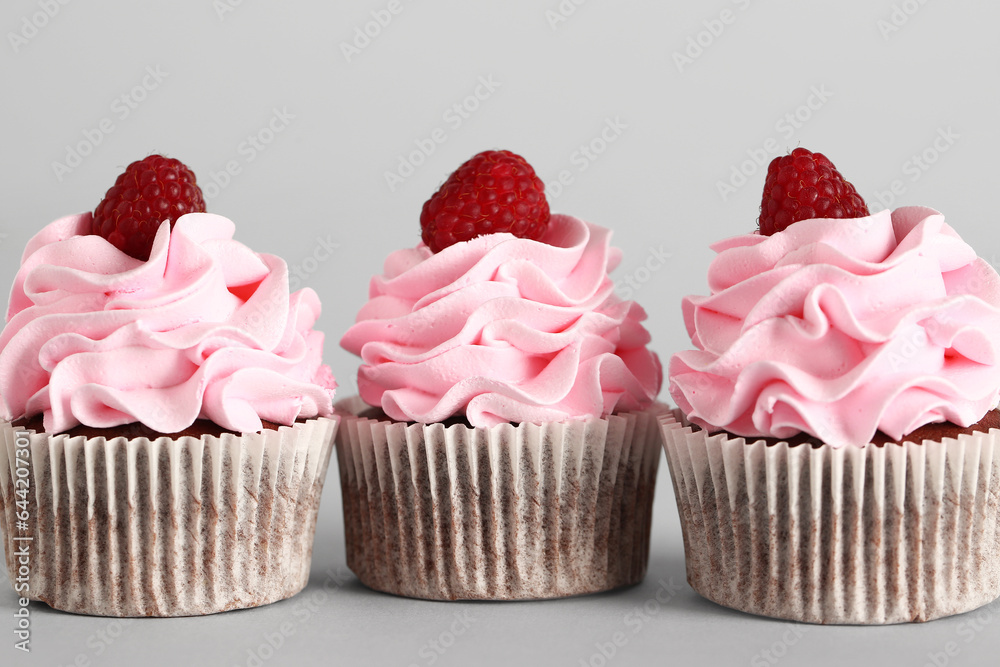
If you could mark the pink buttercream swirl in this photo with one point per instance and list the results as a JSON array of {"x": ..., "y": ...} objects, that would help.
[
  {"x": 503, "y": 329},
  {"x": 839, "y": 328},
  {"x": 205, "y": 329}
]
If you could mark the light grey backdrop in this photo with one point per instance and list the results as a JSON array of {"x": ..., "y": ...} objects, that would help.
[{"x": 659, "y": 119}]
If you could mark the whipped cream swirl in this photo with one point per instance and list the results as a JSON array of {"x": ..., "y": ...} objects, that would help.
[
  {"x": 839, "y": 328},
  {"x": 503, "y": 329},
  {"x": 206, "y": 328}
]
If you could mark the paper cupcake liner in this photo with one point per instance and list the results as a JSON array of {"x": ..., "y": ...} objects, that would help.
[
  {"x": 164, "y": 527},
  {"x": 510, "y": 512},
  {"x": 879, "y": 534}
]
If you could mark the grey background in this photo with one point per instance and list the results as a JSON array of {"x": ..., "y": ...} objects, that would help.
[{"x": 886, "y": 80}]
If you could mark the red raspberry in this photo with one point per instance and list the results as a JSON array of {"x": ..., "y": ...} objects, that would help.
[
  {"x": 150, "y": 191},
  {"x": 495, "y": 191},
  {"x": 806, "y": 185}
]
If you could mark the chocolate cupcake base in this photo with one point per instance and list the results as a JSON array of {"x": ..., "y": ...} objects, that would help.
[
  {"x": 171, "y": 526},
  {"x": 887, "y": 533},
  {"x": 511, "y": 512}
]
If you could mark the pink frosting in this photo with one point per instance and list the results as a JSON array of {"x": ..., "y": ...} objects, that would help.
[
  {"x": 840, "y": 328},
  {"x": 504, "y": 329},
  {"x": 205, "y": 329}
]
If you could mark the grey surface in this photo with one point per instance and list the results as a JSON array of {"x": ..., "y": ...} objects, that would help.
[{"x": 885, "y": 97}]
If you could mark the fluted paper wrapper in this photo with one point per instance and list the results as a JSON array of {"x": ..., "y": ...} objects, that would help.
[
  {"x": 165, "y": 527},
  {"x": 510, "y": 512},
  {"x": 861, "y": 535}
]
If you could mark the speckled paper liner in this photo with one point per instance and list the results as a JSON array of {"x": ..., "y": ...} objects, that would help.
[
  {"x": 880, "y": 534},
  {"x": 504, "y": 513},
  {"x": 166, "y": 527}
]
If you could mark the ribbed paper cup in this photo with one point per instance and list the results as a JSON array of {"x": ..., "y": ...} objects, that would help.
[
  {"x": 164, "y": 527},
  {"x": 862, "y": 535},
  {"x": 510, "y": 512}
]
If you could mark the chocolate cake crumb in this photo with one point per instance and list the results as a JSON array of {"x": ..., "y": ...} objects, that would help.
[
  {"x": 138, "y": 430},
  {"x": 934, "y": 432}
]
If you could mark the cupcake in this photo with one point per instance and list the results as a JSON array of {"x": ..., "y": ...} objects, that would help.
[
  {"x": 504, "y": 444},
  {"x": 167, "y": 420},
  {"x": 835, "y": 455}
]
